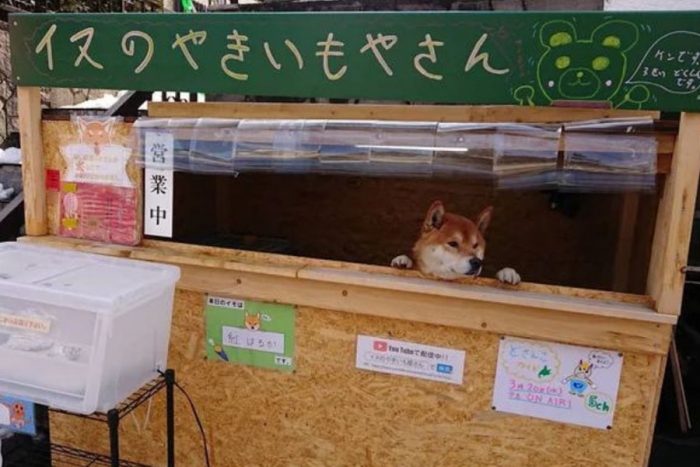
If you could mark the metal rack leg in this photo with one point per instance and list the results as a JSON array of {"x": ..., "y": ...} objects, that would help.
[
  {"x": 170, "y": 414},
  {"x": 113, "y": 424}
]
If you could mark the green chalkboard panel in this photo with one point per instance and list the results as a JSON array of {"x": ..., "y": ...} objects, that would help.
[{"x": 622, "y": 60}]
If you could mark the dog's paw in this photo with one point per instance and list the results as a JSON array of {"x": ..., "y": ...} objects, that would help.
[
  {"x": 508, "y": 276},
  {"x": 402, "y": 262}
]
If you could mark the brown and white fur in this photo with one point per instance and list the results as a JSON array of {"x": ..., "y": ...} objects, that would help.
[{"x": 451, "y": 246}]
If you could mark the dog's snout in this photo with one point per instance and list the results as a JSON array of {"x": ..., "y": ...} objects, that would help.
[{"x": 476, "y": 263}]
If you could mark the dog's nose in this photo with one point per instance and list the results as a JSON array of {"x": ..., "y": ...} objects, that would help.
[{"x": 475, "y": 263}]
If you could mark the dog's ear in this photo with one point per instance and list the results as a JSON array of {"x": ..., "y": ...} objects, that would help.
[
  {"x": 484, "y": 219},
  {"x": 434, "y": 217}
]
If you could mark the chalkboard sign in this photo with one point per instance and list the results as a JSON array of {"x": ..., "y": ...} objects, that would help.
[{"x": 631, "y": 60}]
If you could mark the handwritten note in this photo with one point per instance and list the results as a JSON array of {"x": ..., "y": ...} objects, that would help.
[
  {"x": 562, "y": 383},
  {"x": 272, "y": 342},
  {"x": 25, "y": 323},
  {"x": 672, "y": 63}
]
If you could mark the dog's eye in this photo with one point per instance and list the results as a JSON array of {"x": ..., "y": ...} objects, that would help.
[
  {"x": 453, "y": 244},
  {"x": 476, "y": 245}
]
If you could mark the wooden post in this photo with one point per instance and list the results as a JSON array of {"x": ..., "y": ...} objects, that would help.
[
  {"x": 33, "y": 176},
  {"x": 674, "y": 221},
  {"x": 625, "y": 242}
]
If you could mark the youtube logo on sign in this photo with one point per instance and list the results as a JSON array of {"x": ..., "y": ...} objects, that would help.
[{"x": 380, "y": 346}]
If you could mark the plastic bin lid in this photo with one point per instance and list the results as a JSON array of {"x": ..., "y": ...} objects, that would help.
[{"x": 89, "y": 280}]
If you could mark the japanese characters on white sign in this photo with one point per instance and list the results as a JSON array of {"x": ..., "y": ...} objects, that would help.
[
  {"x": 158, "y": 184},
  {"x": 563, "y": 383},
  {"x": 272, "y": 342},
  {"x": 409, "y": 359}
]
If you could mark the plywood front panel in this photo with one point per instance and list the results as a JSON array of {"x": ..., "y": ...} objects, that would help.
[{"x": 329, "y": 414}]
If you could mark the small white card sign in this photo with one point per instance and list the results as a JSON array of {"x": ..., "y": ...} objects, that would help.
[
  {"x": 409, "y": 359},
  {"x": 563, "y": 383},
  {"x": 159, "y": 184}
]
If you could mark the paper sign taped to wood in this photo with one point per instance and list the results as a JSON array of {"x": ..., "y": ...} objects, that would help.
[
  {"x": 250, "y": 333},
  {"x": 17, "y": 415},
  {"x": 160, "y": 184},
  {"x": 409, "y": 359},
  {"x": 564, "y": 383}
]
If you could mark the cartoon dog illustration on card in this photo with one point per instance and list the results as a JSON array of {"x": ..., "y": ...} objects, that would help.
[
  {"x": 580, "y": 380},
  {"x": 252, "y": 322}
]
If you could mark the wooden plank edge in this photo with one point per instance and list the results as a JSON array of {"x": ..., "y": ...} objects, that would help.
[
  {"x": 503, "y": 296},
  {"x": 33, "y": 175},
  {"x": 456, "y": 113},
  {"x": 513, "y": 320},
  {"x": 250, "y": 260},
  {"x": 510, "y": 296},
  {"x": 669, "y": 256}
]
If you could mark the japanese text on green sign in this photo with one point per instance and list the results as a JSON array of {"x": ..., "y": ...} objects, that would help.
[{"x": 622, "y": 60}]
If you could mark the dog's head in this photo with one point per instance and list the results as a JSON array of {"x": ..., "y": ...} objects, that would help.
[
  {"x": 451, "y": 246},
  {"x": 252, "y": 322},
  {"x": 18, "y": 410}
]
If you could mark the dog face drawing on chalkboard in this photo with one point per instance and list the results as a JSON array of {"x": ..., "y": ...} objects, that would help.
[{"x": 592, "y": 69}]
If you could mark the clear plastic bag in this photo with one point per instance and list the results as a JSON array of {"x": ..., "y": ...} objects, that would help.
[
  {"x": 213, "y": 145},
  {"x": 346, "y": 146},
  {"x": 527, "y": 156},
  {"x": 603, "y": 155},
  {"x": 464, "y": 148},
  {"x": 403, "y": 148},
  {"x": 182, "y": 131},
  {"x": 598, "y": 158},
  {"x": 288, "y": 146}
]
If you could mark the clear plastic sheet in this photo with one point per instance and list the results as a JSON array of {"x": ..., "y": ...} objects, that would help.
[
  {"x": 346, "y": 145},
  {"x": 288, "y": 146},
  {"x": 612, "y": 155},
  {"x": 184, "y": 134},
  {"x": 515, "y": 155},
  {"x": 403, "y": 148},
  {"x": 212, "y": 147},
  {"x": 603, "y": 155}
]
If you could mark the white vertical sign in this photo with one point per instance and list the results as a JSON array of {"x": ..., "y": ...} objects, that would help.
[{"x": 159, "y": 183}]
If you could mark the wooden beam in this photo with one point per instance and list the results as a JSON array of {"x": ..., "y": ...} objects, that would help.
[
  {"x": 451, "y": 113},
  {"x": 659, "y": 364},
  {"x": 33, "y": 176},
  {"x": 616, "y": 326},
  {"x": 625, "y": 241},
  {"x": 674, "y": 221}
]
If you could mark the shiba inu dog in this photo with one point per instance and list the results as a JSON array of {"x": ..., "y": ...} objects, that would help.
[{"x": 451, "y": 246}]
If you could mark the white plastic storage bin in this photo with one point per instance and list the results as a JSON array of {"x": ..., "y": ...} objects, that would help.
[{"x": 81, "y": 332}]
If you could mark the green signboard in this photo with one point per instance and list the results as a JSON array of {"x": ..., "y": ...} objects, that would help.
[
  {"x": 648, "y": 60},
  {"x": 250, "y": 333}
]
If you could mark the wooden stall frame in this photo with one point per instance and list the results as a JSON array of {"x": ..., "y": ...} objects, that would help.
[
  {"x": 624, "y": 322},
  {"x": 593, "y": 305}
]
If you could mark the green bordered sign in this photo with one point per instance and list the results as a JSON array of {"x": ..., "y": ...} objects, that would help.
[
  {"x": 648, "y": 60},
  {"x": 250, "y": 333}
]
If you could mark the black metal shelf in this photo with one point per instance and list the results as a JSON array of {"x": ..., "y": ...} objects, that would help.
[
  {"x": 133, "y": 402},
  {"x": 64, "y": 456}
]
